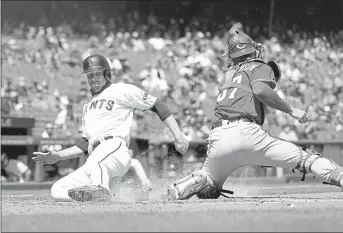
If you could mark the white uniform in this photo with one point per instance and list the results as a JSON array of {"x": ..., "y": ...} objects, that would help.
[{"x": 108, "y": 114}]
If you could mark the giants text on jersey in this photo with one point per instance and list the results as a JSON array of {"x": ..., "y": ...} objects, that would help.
[{"x": 111, "y": 112}]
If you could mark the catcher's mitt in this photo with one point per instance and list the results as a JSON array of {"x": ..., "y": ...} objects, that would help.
[{"x": 276, "y": 69}]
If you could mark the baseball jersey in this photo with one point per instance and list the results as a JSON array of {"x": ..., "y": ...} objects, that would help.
[
  {"x": 236, "y": 99},
  {"x": 111, "y": 112}
]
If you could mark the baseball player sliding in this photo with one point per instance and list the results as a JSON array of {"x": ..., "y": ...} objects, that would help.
[
  {"x": 237, "y": 139},
  {"x": 106, "y": 121}
]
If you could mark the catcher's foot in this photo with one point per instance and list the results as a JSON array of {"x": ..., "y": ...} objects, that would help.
[
  {"x": 187, "y": 187},
  {"x": 172, "y": 193},
  {"x": 90, "y": 193}
]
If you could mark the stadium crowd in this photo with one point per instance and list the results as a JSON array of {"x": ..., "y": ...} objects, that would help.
[{"x": 181, "y": 67}]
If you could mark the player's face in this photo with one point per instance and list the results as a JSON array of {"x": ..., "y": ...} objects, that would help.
[{"x": 96, "y": 80}]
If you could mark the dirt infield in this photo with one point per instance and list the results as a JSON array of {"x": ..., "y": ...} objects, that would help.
[{"x": 277, "y": 207}]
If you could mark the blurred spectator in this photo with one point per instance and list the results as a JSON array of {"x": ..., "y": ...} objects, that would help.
[
  {"x": 288, "y": 134},
  {"x": 61, "y": 117},
  {"x": 154, "y": 81},
  {"x": 138, "y": 44},
  {"x": 187, "y": 71},
  {"x": 49, "y": 130},
  {"x": 14, "y": 97},
  {"x": 4, "y": 175},
  {"x": 157, "y": 42},
  {"x": 40, "y": 102},
  {"x": 22, "y": 87},
  {"x": 6, "y": 103},
  {"x": 126, "y": 67},
  {"x": 189, "y": 132},
  {"x": 15, "y": 170}
]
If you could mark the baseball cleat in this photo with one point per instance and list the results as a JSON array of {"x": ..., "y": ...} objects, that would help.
[{"x": 90, "y": 193}]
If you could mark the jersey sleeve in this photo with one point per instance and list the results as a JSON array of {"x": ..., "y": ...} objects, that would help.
[
  {"x": 264, "y": 74},
  {"x": 137, "y": 98}
]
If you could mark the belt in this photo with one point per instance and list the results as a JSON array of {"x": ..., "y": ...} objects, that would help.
[
  {"x": 97, "y": 143},
  {"x": 227, "y": 122}
]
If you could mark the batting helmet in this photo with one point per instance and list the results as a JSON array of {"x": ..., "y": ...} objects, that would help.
[
  {"x": 95, "y": 62},
  {"x": 240, "y": 44}
]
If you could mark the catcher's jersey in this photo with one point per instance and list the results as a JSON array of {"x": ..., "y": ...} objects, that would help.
[
  {"x": 111, "y": 112},
  {"x": 236, "y": 99}
]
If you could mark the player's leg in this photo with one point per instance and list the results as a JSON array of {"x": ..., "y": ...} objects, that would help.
[
  {"x": 110, "y": 159},
  {"x": 78, "y": 178},
  {"x": 275, "y": 152},
  {"x": 309, "y": 161},
  {"x": 225, "y": 153}
]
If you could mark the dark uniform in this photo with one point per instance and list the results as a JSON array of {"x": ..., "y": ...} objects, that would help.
[
  {"x": 235, "y": 99},
  {"x": 237, "y": 139}
]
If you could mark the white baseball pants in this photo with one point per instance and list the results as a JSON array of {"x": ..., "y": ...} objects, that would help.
[{"x": 105, "y": 166}]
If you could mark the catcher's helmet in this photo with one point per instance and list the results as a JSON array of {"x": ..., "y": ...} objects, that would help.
[
  {"x": 240, "y": 44},
  {"x": 95, "y": 62}
]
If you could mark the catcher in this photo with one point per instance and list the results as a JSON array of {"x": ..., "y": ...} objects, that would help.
[{"x": 236, "y": 137}]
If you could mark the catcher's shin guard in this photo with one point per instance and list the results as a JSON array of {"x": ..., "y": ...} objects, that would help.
[
  {"x": 308, "y": 157},
  {"x": 198, "y": 183},
  {"x": 336, "y": 176}
]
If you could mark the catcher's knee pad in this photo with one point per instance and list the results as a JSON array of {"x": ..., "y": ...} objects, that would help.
[
  {"x": 306, "y": 160},
  {"x": 195, "y": 183}
]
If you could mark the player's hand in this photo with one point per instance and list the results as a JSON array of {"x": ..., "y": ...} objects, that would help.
[
  {"x": 300, "y": 115},
  {"x": 181, "y": 144},
  {"x": 50, "y": 157}
]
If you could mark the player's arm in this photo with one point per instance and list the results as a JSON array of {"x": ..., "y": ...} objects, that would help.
[
  {"x": 269, "y": 97},
  {"x": 52, "y": 157},
  {"x": 167, "y": 117},
  {"x": 137, "y": 98},
  {"x": 74, "y": 151},
  {"x": 79, "y": 149},
  {"x": 263, "y": 85},
  {"x": 162, "y": 110}
]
